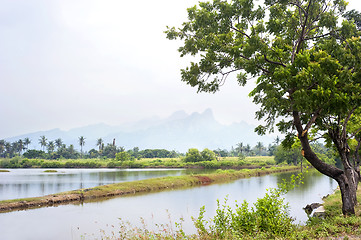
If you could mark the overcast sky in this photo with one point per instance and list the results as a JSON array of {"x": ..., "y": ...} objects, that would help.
[{"x": 71, "y": 63}]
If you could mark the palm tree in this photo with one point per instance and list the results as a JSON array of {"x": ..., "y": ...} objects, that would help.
[
  {"x": 14, "y": 148},
  {"x": 43, "y": 142},
  {"x": 20, "y": 146},
  {"x": 100, "y": 143},
  {"x": 27, "y": 141},
  {"x": 259, "y": 147},
  {"x": 71, "y": 151},
  {"x": 51, "y": 146},
  {"x": 58, "y": 143},
  {"x": 2, "y": 148},
  {"x": 247, "y": 149},
  {"x": 240, "y": 148},
  {"x": 81, "y": 143},
  {"x": 8, "y": 149}
]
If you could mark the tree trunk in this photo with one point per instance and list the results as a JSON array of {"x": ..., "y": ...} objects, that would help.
[
  {"x": 348, "y": 189},
  {"x": 347, "y": 179}
]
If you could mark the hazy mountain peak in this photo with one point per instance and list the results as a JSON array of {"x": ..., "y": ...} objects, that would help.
[
  {"x": 208, "y": 113},
  {"x": 178, "y": 115}
]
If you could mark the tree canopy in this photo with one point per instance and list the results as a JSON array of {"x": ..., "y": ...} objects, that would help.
[{"x": 305, "y": 57}]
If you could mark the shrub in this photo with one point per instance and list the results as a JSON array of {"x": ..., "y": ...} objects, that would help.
[
  {"x": 52, "y": 164},
  {"x": 193, "y": 155},
  {"x": 208, "y": 155},
  {"x": 268, "y": 218},
  {"x": 113, "y": 164},
  {"x": 122, "y": 156},
  {"x": 25, "y": 163}
]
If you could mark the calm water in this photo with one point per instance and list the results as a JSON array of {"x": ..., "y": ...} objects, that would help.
[
  {"x": 88, "y": 219},
  {"x": 24, "y": 183}
]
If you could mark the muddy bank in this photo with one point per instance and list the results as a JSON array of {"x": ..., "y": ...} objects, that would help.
[{"x": 142, "y": 186}]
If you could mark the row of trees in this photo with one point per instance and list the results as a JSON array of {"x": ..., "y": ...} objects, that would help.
[
  {"x": 57, "y": 149},
  {"x": 246, "y": 150},
  {"x": 54, "y": 149}
]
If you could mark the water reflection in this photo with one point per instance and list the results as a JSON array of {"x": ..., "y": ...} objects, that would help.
[
  {"x": 24, "y": 183},
  {"x": 72, "y": 221}
]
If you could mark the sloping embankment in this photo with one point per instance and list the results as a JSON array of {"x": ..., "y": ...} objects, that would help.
[{"x": 142, "y": 186}]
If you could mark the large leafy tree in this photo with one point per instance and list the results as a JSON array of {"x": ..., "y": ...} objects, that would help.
[{"x": 306, "y": 59}]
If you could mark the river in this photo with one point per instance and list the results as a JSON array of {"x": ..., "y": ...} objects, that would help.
[
  {"x": 25, "y": 183},
  {"x": 88, "y": 220}
]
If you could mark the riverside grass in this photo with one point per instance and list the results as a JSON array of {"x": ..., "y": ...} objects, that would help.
[
  {"x": 224, "y": 163},
  {"x": 334, "y": 226},
  {"x": 142, "y": 186}
]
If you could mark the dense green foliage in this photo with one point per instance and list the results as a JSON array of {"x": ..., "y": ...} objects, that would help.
[
  {"x": 193, "y": 155},
  {"x": 306, "y": 56},
  {"x": 269, "y": 217}
]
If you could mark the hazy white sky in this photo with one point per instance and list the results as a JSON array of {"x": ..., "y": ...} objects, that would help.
[{"x": 70, "y": 63}]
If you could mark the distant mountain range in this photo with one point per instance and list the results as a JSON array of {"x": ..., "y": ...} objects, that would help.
[{"x": 179, "y": 132}]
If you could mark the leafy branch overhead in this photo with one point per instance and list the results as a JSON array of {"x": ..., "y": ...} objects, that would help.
[
  {"x": 273, "y": 41},
  {"x": 305, "y": 54}
]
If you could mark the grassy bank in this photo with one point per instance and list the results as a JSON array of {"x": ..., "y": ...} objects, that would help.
[
  {"x": 223, "y": 163},
  {"x": 134, "y": 187},
  {"x": 334, "y": 226}
]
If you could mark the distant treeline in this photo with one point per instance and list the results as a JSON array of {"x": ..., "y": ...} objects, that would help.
[{"x": 58, "y": 150}]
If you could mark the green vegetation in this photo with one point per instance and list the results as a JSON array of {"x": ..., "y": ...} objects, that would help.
[
  {"x": 50, "y": 171},
  {"x": 3, "y": 170},
  {"x": 306, "y": 56},
  {"x": 193, "y": 155},
  {"x": 123, "y": 160}
]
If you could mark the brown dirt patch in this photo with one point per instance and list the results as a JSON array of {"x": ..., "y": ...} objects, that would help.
[{"x": 204, "y": 180}]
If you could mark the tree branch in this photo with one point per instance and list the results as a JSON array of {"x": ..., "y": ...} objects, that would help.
[
  {"x": 299, "y": 7},
  {"x": 312, "y": 120},
  {"x": 354, "y": 134},
  {"x": 273, "y": 62},
  {"x": 237, "y": 30},
  {"x": 346, "y": 121}
]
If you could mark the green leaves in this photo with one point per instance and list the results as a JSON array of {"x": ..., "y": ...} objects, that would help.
[
  {"x": 270, "y": 216},
  {"x": 303, "y": 60}
]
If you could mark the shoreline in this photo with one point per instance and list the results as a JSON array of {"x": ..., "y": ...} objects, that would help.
[{"x": 134, "y": 187}]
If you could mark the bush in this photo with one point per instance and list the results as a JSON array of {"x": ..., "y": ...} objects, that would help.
[
  {"x": 52, "y": 164},
  {"x": 34, "y": 154},
  {"x": 113, "y": 164},
  {"x": 25, "y": 163},
  {"x": 208, "y": 155},
  {"x": 193, "y": 155},
  {"x": 269, "y": 218},
  {"x": 122, "y": 156}
]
